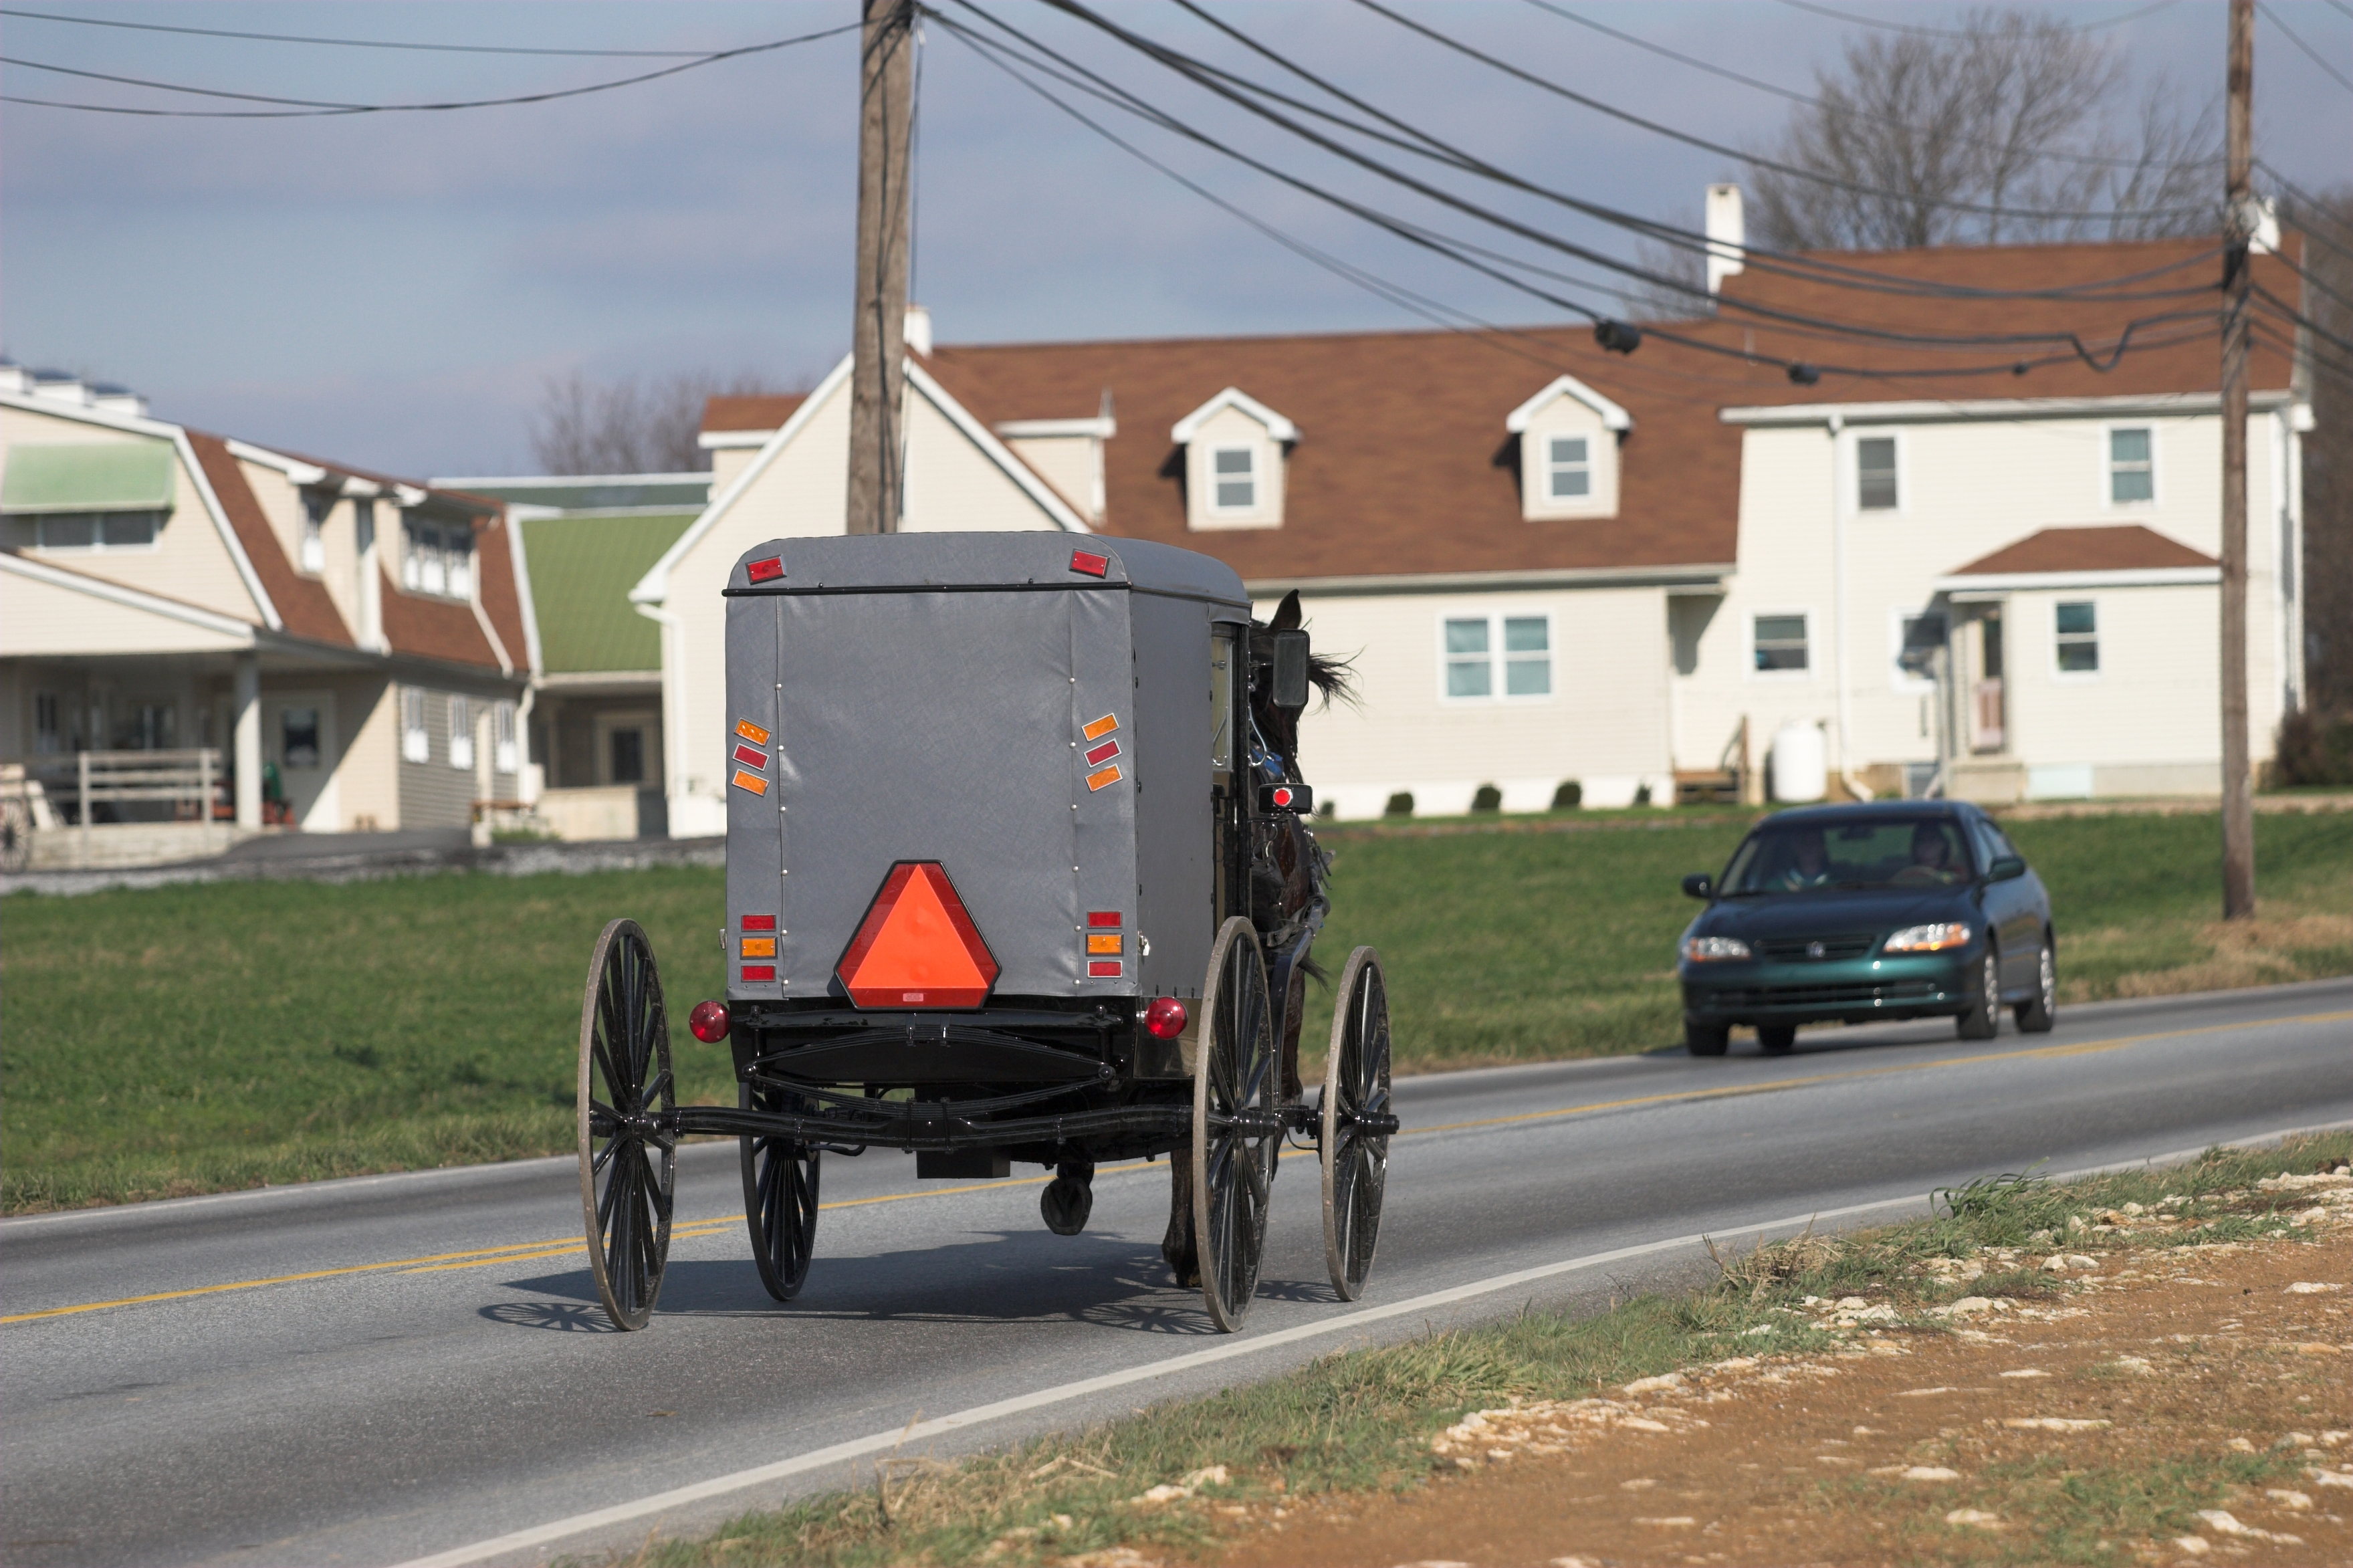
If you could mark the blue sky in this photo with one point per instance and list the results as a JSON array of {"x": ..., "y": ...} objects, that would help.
[{"x": 396, "y": 290}]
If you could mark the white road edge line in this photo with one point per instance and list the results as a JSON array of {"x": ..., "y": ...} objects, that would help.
[{"x": 817, "y": 1459}]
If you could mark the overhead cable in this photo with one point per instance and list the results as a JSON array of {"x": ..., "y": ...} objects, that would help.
[
  {"x": 350, "y": 43},
  {"x": 1926, "y": 31},
  {"x": 2273, "y": 17}
]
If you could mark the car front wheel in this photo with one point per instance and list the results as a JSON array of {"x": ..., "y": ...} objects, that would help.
[
  {"x": 1983, "y": 1020},
  {"x": 2036, "y": 1017}
]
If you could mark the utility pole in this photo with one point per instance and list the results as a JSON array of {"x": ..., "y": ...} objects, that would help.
[
  {"x": 2239, "y": 228},
  {"x": 878, "y": 362}
]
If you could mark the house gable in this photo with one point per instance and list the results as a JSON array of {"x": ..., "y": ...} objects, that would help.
[
  {"x": 1569, "y": 437},
  {"x": 1235, "y": 451}
]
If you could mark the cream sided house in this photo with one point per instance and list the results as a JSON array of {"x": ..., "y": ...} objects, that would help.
[
  {"x": 202, "y": 637},
  {"x": 1556, "y": 566}
]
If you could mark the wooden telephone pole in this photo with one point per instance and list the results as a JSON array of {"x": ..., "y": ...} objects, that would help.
[
  {"x": 877, "y": 338},
  {"x": 2240, "y": 222}
]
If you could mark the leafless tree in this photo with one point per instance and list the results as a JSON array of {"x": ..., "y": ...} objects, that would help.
[
  {"x": 1683, "y": 293},
  {"x": 632, "y": 426},
  {"x": 2013, "y": 109}
]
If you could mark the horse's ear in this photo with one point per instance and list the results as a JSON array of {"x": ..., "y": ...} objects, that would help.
[{"x": 1286, "y": 614}]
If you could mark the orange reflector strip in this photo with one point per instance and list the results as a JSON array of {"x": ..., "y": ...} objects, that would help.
[
  {"x": 1096, "y": 780},
  {"x": 759, "y": 947},
  {"x": 1103, "y": 969},
  {"x": 917, "y": 946},
  {"x": 1103, "y": 944},
  {"x": 759, "y": 971},
  {"x": 1107, "y": 918},
  {"x": 1101, "y": 727},
  {"x": 752, "y": 782},
  {"x": 1104, "y": 752},
  {"x": 751, "y": 732}
]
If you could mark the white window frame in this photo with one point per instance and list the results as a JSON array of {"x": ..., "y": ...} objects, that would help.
[
  {"x": 1749, "y": 644},
  {"x": 1256, "y": 479},
  {"x": 2107, "y": 467},
  {"x": 1899, "y": 679},
  {"x": 2096, "y": 638},
  {"x": 98, "y": 545},
  {"x": 439, "y": 571},
  {"x": 1553, "y": 466},
  {"x": 312, "y": 556},
  {"x": 505, "y": 758},
  {"x": 461, "y": 734},
  {"x": 1903, "y": 476},
  {"x": 415, "y": 740},
  {"x": 1498, "y": 658}
]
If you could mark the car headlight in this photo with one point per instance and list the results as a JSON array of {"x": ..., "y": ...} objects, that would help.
[
  {"x": 1713, "y": 949},
  {"x": 1928, "y": 938}
]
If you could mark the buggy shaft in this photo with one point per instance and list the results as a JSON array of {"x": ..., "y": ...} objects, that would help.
[{"x": 944, "y": 1131}]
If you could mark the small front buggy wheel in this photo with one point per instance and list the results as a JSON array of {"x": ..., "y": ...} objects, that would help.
[
  {"x": 628, "y": 1162},
  {"x": 1355, "y": 1086},
  {"x": 1237, "y": 1123},
  {"x": 779, "y": 1198}
]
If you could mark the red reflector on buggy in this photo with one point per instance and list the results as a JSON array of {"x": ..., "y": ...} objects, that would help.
[
  {"x": 1103, "y": 969},
  {"x": 710, "y": 1022},
  {"x": 1104, "y": 919},
  {"x": 761, "y": 571},
  {"x": 752, "y": 756},
  {"x": 1282, "y": 794},
  {"x": 1103, "y": 754},
  {"x": 759, "y": 923},
  {"x": 917, "y": 946},
  {"x": 1165, "y": 1018},
  {"x": 1088, "y": 562},
  {"x": 754, "y": 973}
]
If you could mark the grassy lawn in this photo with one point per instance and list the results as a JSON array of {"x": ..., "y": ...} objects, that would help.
[{"x": 195, "y": 1038}]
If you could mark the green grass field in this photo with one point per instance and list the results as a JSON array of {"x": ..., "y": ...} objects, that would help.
[{"x": 197, "y": 1038}]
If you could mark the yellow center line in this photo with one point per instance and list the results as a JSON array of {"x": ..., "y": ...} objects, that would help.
[{"x": 525, "y": 1251}]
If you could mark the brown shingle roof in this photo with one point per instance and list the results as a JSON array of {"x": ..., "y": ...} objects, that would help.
[
  {"x": 2128, "y": 548},
  {"x": 302, "y": 603},
  {"x": 502, "y": 602},
  {"x": 764, "y": 412},
  {"x": 436, "y": 629}
]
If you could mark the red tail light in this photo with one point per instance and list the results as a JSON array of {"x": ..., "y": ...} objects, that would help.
[
  {"x": 710, "y": 1022},
  {"x": 1165, "y": 1018}
]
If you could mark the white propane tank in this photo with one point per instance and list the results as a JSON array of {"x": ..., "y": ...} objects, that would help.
[{"x": 1799, "y": 769}]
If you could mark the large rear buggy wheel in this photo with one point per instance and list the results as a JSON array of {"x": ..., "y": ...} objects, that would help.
[
  {"x": 779, "y": 1200},
  {"x": 1236, "y": 1133},
  {"x": 1355, "y": 1086},
  {"x": 629, "y": 1162}
]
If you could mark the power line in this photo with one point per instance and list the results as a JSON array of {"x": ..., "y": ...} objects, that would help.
[
  {"x": 352, "y": 43},
  {"x": 2282, "y": 308},
  {"x": 1955, "y": 33},
  {"x": 1752, "y": 160},
  {"x": 2272, "y": 16},
  {"x": 2085, "y": 159},
  {"x": 304, "y": 107}
]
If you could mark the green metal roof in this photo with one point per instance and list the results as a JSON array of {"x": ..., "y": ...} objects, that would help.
[
  {"x": 593, "y": 491},
  {"x": 581, "y": 569},
  {"x": 90, "y": 476}
]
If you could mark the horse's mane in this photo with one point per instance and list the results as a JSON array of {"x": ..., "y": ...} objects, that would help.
[{"x": 1334, "y": 679}]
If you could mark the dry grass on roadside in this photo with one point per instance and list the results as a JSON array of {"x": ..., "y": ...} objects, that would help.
[{"x": 1361, "y": 1423}]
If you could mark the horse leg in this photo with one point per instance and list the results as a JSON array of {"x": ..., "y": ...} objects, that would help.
[
  {"x": 1180, "y": 1246},
  {"x": 1294, "y": 1006}
]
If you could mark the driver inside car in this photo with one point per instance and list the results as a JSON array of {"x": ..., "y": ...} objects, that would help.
[
  {"x": 1932, "y": 856},
  {"x": 1811, "y": 867}
]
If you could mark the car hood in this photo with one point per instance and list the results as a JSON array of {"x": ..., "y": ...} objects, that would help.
[{"x": 1819, "y": 913}]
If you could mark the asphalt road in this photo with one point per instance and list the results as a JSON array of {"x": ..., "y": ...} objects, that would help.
[{"x": 436, "y": 1375}]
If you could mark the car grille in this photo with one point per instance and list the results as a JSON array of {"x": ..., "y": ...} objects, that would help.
[
  {"x": 1848, "y": 944},
  {"x": 1896, "y": 995}
]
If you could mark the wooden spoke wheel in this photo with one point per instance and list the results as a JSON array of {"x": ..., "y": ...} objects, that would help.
[
  {"x": 779, "y": 1199},
  {"x": 1355, "y": 1085},
  {"x": 1237, "y": 1126},
  {"x": 629, "y": 1164}
]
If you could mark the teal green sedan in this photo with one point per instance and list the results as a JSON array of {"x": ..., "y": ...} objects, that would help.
[{"x": 1856, "y": 914}]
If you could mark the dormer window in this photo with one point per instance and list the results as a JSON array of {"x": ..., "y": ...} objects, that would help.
[
  {"x": 1569, "y": 435},
  {"x": 315, "y": 507},
  {"x": 438, "y": 558},
  {"x": 1234, "y": 458}
]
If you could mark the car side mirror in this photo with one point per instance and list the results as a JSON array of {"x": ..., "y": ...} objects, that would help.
[
  {"x": 2005, "y": 867},
  {"x": 1699, "y": 885},
  {"x": 1288, "y": 675}
]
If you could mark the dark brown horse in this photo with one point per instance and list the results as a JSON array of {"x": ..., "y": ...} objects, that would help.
[{"x": 1287, "y": 877}]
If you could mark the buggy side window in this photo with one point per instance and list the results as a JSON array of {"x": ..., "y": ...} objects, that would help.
[{"x": 1221, "y": 699}]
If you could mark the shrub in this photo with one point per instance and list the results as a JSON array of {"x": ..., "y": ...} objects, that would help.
[
  {"x": 1569, "y": 796},
  {"x": 1489, "y": 798},
  {"x": 2312, "y": 748},
  {"x": 1400, "y": 805}
]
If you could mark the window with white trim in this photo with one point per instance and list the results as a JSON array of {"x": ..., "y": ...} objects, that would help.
[
  {"x": 1874, "y": 474},
  {"x": 503, "y": 756},
  {"x": 2077, "y": 637},
  {"x": 416, "y": 745},
  {"x": 438, "y": 559},
  {"x": 1778, "y": 644},
  {"x": 461, "y": 734},
  {"x": 1497, "y": 655},
  {"x": 85, "y": 532},
  {"x": 1234, "y": 472},
  {"x": 315, "y": 508},
  {"x": 2132, "y": 468},
  {"x": 1568, "y": 466}
]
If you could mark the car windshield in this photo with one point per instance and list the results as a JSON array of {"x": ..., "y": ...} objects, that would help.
[{"x": 1905, "y": 852}]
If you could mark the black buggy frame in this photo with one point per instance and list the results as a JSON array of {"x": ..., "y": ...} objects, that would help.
[{"x": 1048, "y": 753}]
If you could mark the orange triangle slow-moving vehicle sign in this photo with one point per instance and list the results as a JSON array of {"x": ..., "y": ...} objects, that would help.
[{"x": 917, "y": 946}]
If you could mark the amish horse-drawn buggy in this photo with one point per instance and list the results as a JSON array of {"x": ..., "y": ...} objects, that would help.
[{"x": 1019, "y": 870}]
